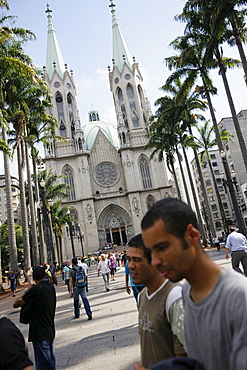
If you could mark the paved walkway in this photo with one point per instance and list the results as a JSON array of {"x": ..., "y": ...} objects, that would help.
[{"x": 110, "y": 341}]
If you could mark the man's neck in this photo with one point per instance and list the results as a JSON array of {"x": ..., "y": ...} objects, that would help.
[
  {"x": 203, "y": 277},
  {"x": 155, "y": 284}
]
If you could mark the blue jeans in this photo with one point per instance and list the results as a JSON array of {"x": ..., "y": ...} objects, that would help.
[
  {"x": 82, "y": 292},
  {"x": 44, "y": 355},
  {"x": 106, "y": 280}
]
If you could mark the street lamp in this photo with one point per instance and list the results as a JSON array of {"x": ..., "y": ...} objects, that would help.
[
  {"x": 47, "y": 225},
  {"x": 81, "y": 238},
  {"x": 70, "y": 231},
  {"x": 229, "y": 182}
]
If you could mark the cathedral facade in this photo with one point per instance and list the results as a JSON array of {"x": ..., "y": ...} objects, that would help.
[{"x": 113, "y": 181}]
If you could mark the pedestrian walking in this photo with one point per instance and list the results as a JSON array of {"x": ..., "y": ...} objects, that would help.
[
  {"x": 217, "y": 242},
  {"x": 103, "y": 268},
  {"x": 112, "y": 266},
  {"x": 77, "y": 286},
  {"x": 214, "y": 297},
  {"x": 12, "y": 280},
  {"x": 66, "y": 273},
  {"x": 41, "y": 326},
  {"x": 236, "y": 243},
  {"x": 30, "y": 275},
  {"x": 160, "y": 307}
]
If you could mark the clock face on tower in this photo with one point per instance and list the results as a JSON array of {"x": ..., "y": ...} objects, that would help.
[{"x": 106, "y": 174}]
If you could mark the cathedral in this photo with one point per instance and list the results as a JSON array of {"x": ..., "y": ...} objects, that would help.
[{"x": 112, "y": 180}]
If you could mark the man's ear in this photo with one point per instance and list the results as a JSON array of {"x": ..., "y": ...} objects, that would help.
[{"x": 192, "y": 233}]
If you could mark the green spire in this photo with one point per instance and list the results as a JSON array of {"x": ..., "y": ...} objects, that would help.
[
  {"x": 121, "y": 53},
  {"x": 54, "y": 58}
]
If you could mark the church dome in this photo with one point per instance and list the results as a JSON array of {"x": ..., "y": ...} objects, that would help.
[{"x": 94, "y": 125}]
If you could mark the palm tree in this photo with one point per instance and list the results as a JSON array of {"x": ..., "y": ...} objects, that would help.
[
  {"x": 13, "y": 67},
  {"x": 191, "y": 63},
  {"x": 204, "y": 140},
  {"x": 197, "y": 14}
]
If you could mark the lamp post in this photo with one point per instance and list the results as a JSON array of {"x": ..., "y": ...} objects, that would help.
[
  {"x": 81, "y": 238},
  {"x": 229, "y": 182},
  {"x": 47, "y": 225},
  {"x": 70, "y": 230}
]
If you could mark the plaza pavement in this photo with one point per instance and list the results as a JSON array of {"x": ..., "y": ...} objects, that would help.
[{"x": 108, "y": 342}]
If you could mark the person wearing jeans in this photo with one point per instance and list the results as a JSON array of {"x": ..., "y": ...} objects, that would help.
[
  {"x": 103, "y": 267},
  {"x": 41, "y": 325},
  {"x": 75, "y": 291}
]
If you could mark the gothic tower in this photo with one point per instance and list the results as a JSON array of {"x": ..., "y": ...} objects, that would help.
[
  {"x": 68, "y": 157},
  {"x": 146, "y": 180}
]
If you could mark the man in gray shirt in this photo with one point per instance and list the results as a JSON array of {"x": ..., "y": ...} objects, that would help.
[
  {"x": 236, "y": 243},
  {"x": 215, "y": 299}
]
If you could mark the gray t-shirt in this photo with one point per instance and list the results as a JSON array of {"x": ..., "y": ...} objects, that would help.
[{"x": 216, "y": 326}]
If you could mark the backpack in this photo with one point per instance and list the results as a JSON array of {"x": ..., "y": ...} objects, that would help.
[{"x": 80, "y": 277}]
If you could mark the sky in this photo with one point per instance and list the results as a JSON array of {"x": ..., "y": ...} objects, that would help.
[{"x": 84, "y": 32}]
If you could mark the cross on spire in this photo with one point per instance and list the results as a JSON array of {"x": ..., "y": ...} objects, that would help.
[
  {"x": 48, "y": 10},
  {"x": 112, "y": 5}
]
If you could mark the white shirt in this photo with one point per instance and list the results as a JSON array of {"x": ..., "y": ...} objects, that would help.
[{"x": 103, "y": 266}]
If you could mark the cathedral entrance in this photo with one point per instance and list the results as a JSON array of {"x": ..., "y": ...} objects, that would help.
[{"x": 114, "y": 226}]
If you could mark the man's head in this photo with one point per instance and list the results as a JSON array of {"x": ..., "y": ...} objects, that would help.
[
  {"x": 39, "y": 274},
  {"x": 232, "y": 229},
  {"x": 68, "y": 262},
  {"x": 102, "y": 257},
  {"x": 74, "y": 261},
  {"x": 139, "y": 262},
  {"x": 170, "y": 230}
]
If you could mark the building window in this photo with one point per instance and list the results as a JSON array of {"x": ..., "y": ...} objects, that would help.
[
  {"x": 212, "y": 156},
  {"x": 69, "y": 179},
  {"x": 214, "y": 164},
  {"x": 131, "y": 98},
  {"x": 225, "y": 205},
  {"x": 218, "y": 181},
  {"x": 145, "y": 173},
  {"x": 214, "y": 207},
  {"x": 60, "y": 113},
  {"x": 208, "y": 183},
  {"x": 122, "y": 106}
]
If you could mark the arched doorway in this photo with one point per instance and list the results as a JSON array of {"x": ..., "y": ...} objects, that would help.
[{"x": 114, "y": 226}]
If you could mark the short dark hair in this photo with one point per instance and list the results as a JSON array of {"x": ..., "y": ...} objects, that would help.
[
  {"x": 232, "y": 229},
  {"x": 137, "y": 242},
  {"x": 74, "y": 261},
  {"x": 39, "y": 273},
  {"x": 175, "y": 214}
]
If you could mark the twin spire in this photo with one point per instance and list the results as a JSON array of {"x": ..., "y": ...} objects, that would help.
[{"x": 54, "y": 58}]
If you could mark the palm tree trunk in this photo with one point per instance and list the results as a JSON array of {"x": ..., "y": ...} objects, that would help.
[
  {"x": 204, "y": 191},
  {"x": 34, "y": 236},
  {"x": 199, "y": 217},
  {"x": 233, "y": 112},
  {"x": 183, "y": 177},
  {"x": 24, "y": 218},
  {"x": 239, "y": 218},
  {"x": 43, "y": 252},
  {"x": 10, "y": 213},
  {"x": 240, "y": 48},
  {"x": 175, "y": 180}
]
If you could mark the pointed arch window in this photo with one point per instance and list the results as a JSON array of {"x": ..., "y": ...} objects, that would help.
[
  {"x": 150, "y": 201},
  {"x": 122, "y": 106},
  {"x": 69, "y": 179},
  {"x": 132, "y": 104},
  {"x": 71, "y": 114},
  {"x": 145, "y": 172},
  {"x": 60, "y": 114},
  {"x": 141, "y": 97}
]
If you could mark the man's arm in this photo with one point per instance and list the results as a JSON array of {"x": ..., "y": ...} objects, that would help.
[
  {"x": 71, "y": 286},
  {"x": 98, "y": 269},
  {"x": 176, "y": 318},
  {"x": 18, "y": 302},
  {"x": 128, "y": 290},
  {"x": 227, "y": 251}
]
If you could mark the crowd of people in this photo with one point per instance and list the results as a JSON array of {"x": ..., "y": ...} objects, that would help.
[{"x": 192, "y": 312}]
